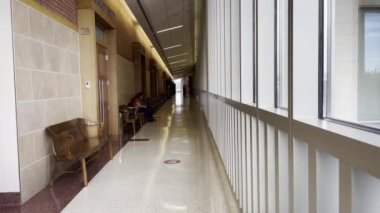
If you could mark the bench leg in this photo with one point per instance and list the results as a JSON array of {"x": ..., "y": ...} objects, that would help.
[
  {"x": 52, "y": 176},
  {"x": 134, "y": 128},
  {"x": 84, "y": 171}
]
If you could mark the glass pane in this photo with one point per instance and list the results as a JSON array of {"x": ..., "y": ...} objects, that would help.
[
  {"x": 352, "y": 89},
  {"x": 371, "y": 41},
  {"x": 99, "y": 34},
  {"x": 247, "y": 71},
  {"x": 282, "y": 54},
  {"x": 369, "y": 75}
]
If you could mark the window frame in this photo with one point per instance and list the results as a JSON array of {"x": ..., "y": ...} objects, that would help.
[
  {"x": 277, "y": 52},
  {"x": 324, "y": 61},
  {"x": 255, "y": 52}
]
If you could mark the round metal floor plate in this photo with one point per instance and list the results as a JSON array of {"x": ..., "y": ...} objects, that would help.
[{"x": 172, "y": 161}]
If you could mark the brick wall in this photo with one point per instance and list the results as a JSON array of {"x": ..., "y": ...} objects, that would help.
[{"x": 66, "y": 8}]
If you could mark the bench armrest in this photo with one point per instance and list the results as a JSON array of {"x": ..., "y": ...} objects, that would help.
[
  {"x": 92, "y": 123},
  {"x": 100, "y": 124}
]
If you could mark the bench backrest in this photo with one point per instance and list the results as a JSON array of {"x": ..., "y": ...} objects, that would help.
[
  {"x": 70, "y": 126},
  {"x": 59, "y": 133}
]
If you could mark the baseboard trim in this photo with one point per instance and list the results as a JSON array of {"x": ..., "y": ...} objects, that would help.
[{"x": 10, "y": 199}]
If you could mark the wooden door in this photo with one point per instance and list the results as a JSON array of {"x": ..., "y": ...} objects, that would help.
[{"x": 103, "y": 88}]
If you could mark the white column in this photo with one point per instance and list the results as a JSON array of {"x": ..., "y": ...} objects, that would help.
[{"x": 9, "y": 178}]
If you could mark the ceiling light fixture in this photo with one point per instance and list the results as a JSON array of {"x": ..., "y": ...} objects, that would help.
[
  {"x": 178, "y": 55},
  {"x": 171, "y": 47},
  {"x": 168, "y": 29},
  {"x": 178, "y": 68},
  {"x": 176, "y": 62},
  {"x": 178, "y": 65},
  {"x": 181, "y": 68}
]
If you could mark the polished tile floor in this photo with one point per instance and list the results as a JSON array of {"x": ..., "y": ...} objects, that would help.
[{"x": 138, "y": 181}]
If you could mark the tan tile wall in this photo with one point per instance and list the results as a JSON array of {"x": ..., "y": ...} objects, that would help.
[
  {"x": 125, "y": 80},
  {"x": 47, "y": 88}
]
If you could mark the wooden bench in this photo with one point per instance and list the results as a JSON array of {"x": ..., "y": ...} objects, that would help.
[{"x": 71, "y": 143}]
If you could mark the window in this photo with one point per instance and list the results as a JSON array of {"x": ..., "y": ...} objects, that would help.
[
  {"x": 99, "y": 33},
  {"x": 351, "y": 63},
  {"x": 247, "y": 53},
  {"x": 371, "y": 40},
  {"x": 281, "y": 50}
]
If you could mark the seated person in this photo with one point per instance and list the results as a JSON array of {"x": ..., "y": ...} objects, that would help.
[{"x": 138, "y": 101}]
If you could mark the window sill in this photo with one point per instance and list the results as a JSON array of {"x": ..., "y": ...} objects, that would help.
[
  {"x": 346, "y": 131},
  {"x": 278, "y": 111},
  {"x": 249, "y": 104}
]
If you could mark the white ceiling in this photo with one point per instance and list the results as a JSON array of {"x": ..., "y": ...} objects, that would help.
[{"x": 163, "y": 14}]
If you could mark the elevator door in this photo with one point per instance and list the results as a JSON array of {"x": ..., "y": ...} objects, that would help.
[{"x": 103, "y": 88}]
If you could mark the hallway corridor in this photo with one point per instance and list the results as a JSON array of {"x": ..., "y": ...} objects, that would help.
[
  {"x": 137, "y": 180},
  {"x": 282, "y": 115}
]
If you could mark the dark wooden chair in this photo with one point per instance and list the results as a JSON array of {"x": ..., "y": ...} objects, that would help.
[{"x": 129, "y": 116}]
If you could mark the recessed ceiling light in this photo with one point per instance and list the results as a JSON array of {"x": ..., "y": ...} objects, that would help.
[
  {"x": 179, "y": 66},
  {"x": 173, "y": 56},
  {"x": 176, "y": 62},
  {"x": 168, "y": 29},
  {"x": 171, "y": 47}
]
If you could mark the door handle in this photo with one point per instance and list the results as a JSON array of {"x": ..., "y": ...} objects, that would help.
[{"x": 101, "y": 101}]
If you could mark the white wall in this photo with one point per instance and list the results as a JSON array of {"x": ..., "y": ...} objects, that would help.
[
  {"x": 9, "y": 178},
  {"x": 179, "y": 85},
  {"x": 125, "y": 80}
]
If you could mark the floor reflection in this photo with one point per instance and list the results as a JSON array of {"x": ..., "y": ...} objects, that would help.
[{"x": 142, "y": 183}]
